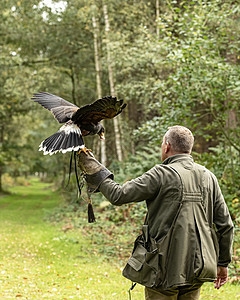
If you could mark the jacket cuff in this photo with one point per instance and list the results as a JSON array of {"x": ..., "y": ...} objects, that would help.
[
  {"x": 95, "y": 180},
  {"x": 225, "y": 265}
]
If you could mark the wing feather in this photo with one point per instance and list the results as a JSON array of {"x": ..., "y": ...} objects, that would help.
[
  {"x": 60, "y": 108},
  {"x": 105, "y": 108}
]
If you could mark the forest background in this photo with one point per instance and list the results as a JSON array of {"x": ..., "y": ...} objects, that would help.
[{"x": 173, "y": 62}]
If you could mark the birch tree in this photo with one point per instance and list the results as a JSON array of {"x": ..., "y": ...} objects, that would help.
[
  {"x": 98, "y": 79},
  {"x": 157, "y": 17},
  {"x": 111, "y": 81}
]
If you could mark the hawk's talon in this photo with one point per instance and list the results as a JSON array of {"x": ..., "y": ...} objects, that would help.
[{"x": 85, "y": 150}]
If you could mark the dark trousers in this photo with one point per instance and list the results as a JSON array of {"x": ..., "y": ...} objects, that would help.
[{"x": 188, "y": 292}]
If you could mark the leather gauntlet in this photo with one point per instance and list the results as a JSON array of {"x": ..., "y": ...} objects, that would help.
[{"x": 95, "y": 172}]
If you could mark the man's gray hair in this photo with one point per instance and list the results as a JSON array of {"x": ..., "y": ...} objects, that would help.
[{"x": 180, "y": 138}]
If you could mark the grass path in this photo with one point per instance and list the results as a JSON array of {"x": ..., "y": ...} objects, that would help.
[{"x": 40, "y": 261}]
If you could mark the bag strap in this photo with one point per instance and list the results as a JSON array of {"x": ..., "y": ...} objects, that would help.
[
  {"x": 131, "y": 288},
  {"x": 146, "y": 235},
  {"x": 146, "y": 219},
  {"x": 145, "y": 229}
]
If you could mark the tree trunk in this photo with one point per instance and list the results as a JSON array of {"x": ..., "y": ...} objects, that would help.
[
  {"x": 231, "y": 119},
  {"x": 157, "y": 17},
  {"x": 98, "y": 80},
  {"x": 72, "y": 75},
  {"x": 112, "y": 88}
]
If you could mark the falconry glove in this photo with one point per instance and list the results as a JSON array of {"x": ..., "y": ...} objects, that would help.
[{"x": 95, "y": 172}]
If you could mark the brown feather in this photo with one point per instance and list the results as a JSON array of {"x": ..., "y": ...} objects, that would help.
[{"x": 105, "y": 108}]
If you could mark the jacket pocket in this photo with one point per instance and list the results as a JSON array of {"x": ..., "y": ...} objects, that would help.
[{"x": 143, "y": 265}]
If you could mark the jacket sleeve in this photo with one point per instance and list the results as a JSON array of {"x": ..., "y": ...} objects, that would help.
[
  {"x": 142, "y": 188},
  {"x": 224, "y": 225}
]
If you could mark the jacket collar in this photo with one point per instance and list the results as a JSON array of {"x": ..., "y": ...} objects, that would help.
[{"x": 178, "y": 158}]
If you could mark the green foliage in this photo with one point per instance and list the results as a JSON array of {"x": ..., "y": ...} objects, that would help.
[
  {"x": 188, "y": 75},
  {"x": 224, "y": 163},
  {"x": 144, "y": 159}
]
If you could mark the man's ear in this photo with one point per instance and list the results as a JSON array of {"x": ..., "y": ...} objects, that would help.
[{"x": 168, "y": 148}]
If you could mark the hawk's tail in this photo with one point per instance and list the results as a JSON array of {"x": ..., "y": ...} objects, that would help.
[{"x": 67, "y": 138}]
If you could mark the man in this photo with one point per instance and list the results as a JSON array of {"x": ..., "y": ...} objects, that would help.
[{"x": 183, "y": 200}]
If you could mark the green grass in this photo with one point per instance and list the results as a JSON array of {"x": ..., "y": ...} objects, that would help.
[{"x": 38, "y": 260}]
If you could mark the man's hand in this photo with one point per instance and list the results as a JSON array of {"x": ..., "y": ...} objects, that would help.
[{"x": 222, "y": 276}]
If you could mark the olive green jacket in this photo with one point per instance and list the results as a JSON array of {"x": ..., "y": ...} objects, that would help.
[{"x": 195, "y": 251}]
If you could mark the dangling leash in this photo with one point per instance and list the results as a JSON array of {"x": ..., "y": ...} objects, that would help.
[
  {"x": 76, "y": 173},
  {"x": 131, "y": 288},
  {"x": 80, "y": 184},
  {"x": 70, "y": 170}
]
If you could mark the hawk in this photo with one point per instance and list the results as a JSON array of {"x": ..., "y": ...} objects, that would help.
[{"x": 79, "y": 122}]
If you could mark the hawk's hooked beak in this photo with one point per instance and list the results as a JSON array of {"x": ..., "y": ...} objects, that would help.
[{"x": 102, "y": 137}]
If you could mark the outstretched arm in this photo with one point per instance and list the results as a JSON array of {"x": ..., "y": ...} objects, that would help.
[
  {"x": 100, "y": 178},
  {"x": 142, "y": 188}
]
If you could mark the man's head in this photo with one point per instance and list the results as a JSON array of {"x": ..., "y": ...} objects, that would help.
[{"x": 177, "y": 140}]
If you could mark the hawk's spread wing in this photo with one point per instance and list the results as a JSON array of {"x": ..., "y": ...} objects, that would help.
[
  {"x": 60, "y": 108},
  {"x": 105, "y": 108}
]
